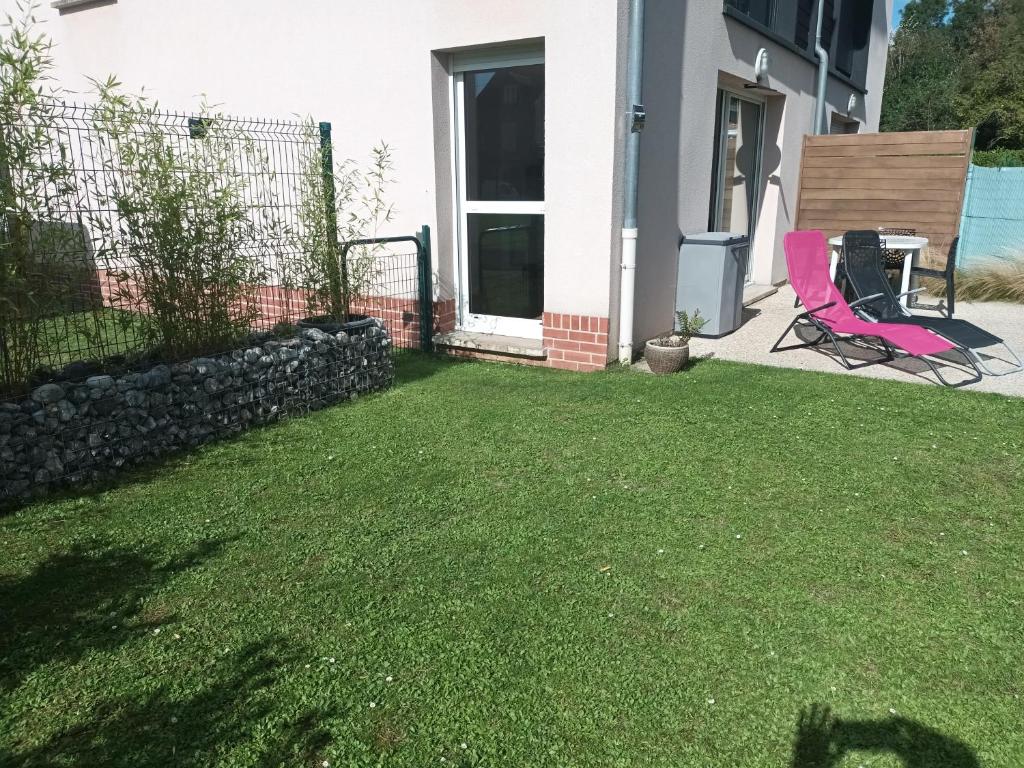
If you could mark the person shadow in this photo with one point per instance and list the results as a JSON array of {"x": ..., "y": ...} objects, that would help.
[{"x": 823, "y": 741}]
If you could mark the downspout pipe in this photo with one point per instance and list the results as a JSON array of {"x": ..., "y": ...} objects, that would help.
[
  {"x": 819, "y": 103},
  {"x": 636, "y": 116}
]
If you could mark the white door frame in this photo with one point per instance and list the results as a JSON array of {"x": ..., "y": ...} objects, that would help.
[{"x": 466, "y": 320}]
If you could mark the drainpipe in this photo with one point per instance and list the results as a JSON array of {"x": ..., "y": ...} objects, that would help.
[
  {"x": 819, "y": 103},
  {"x": 634, "y": 93}
]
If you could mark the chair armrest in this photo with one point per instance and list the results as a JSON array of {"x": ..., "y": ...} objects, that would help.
[
  {"x": 908, "y": 293},
  {"x": 865, "y": 300},
  {"x": 939, "y": 273},
  {"x": 810, "y": 312}
]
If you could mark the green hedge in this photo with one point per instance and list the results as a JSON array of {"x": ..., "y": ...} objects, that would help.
[{"x": 999, "y": 158}]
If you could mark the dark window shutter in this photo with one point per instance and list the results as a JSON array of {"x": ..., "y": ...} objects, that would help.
[{"x": 804, "y": 17}]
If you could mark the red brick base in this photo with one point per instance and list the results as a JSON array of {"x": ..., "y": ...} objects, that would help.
[{"x": 576, "y": 342}]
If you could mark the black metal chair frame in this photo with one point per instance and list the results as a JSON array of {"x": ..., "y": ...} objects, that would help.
[{"x": 948, "y": 274}]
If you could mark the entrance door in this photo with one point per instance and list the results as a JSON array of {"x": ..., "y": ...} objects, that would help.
[
  {"x": 499, "y": 130},
  {"x": 737, "y": 177}
]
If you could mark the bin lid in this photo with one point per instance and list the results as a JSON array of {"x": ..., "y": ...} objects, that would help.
[{"x": 714, "y": 238}]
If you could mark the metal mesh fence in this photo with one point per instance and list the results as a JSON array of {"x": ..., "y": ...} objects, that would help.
[
  {"x": 122, "y": 261},
  {"x": 992, "y": 227}
]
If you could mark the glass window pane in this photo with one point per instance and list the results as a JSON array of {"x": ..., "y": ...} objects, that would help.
[
  {"x": 504, "y": 144},
  {"x": 506, "y": 264}
]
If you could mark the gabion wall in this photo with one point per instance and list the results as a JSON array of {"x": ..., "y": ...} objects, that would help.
[{"x": 73, "y": 432}]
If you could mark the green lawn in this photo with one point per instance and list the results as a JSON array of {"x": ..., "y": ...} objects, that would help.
[
  {"x": 91, "y": 334},
  {"x": 501, "y": 566}
]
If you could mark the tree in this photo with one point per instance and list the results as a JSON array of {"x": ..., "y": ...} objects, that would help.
[{"x": 958, "y": 64}]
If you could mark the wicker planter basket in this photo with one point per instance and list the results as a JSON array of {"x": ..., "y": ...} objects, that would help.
[{"x": 666, "y": 359}]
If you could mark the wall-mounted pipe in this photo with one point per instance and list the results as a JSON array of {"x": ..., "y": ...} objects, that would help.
[
  {"x": 819, "y": 103},
  {"x": 636, "y": 116}
]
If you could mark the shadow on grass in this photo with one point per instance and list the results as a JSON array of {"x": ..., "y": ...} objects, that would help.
[
  {"x": 824, "y": 741},
  {"x": 235, "y": 716},
  {"x": 81, "y": 601}
]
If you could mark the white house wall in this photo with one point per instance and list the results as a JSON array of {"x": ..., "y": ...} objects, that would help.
[{"x": 373, "y": 70}]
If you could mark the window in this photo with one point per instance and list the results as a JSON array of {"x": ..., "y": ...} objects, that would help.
[
  {"x": 845, "y": 29},
  {"x": 761, "y": 11},
  {"x": 854, "y": 39},
  {"x": 842, "y": 124}
]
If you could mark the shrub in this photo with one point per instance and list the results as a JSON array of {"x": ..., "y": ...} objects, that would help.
[
  {"x": 999, "y": 158},
  {"x": 35, "y": 180},
  {"x": 992, "y": 280},
  {"x": 177, "y": 229},
  {"x": 359, "y": 208}
]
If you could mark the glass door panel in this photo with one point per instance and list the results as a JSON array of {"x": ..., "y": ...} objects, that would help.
[{"x": 506, "y": 265}]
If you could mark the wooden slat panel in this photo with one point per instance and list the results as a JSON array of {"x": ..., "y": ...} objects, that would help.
[
  {"x": 907, "y": 186},
  {"x": 930, "y": 207},
  {"x": 867, "y": 181},
  {"x": 860, "y": 173},
  {"x": 894, "y": 162},
  {"x": 873, "y": 192},
  {"x": 910, "y": 137},
  {"x": 890, "y": 150}
]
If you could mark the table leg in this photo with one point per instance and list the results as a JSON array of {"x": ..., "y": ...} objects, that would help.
[
  {"x": 834, "y": 263},
  {"x": 908, "y": 265}
]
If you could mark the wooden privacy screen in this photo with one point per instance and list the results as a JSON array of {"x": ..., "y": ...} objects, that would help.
[{"x": 872, "y": 180}]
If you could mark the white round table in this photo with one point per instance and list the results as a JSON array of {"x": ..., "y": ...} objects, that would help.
[{"x": 897, "y": 243}]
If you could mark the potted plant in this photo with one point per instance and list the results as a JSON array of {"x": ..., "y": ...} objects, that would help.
[
  {"x": 340, "y": 206},
  {"x": 668, "y": 354}
]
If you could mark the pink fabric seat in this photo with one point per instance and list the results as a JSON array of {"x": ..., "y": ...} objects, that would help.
[{"x": 807, "y": 259}]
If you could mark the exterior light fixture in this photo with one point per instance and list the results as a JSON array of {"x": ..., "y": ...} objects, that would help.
[{"x": 761, "y": 63}]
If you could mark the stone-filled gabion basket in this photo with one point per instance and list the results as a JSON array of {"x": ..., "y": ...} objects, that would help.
[{"x": 75, "y": 432}]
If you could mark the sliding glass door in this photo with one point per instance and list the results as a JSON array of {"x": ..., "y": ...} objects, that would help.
[{"x": 736, "y": 180}]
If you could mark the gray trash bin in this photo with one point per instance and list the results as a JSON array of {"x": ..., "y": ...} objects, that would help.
[{"x": 712, "y": 270}]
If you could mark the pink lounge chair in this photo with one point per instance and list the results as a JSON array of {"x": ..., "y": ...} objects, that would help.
[{"x": 830, "y": 315}]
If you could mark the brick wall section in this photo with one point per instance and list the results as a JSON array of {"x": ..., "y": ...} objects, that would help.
[
  {"x": 573, "y": 342},
  {"x": 444, "y": 316},
  {"x": 576, "y": 342}
]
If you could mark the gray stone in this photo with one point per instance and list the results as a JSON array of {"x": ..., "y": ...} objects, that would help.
[
  {"x": 48, "y": 393},
  {"x": 66, "y": 410},
  {"x": 160, "y": 376},
  {"x": 100, "y": 382},
  {"x": 314, "y": 334},
  {"x": 135, "y": 398},
  {"x": 253, "y": 355}
]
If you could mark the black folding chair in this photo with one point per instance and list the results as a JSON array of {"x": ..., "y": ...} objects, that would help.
[{"x": 863, "y": 260}]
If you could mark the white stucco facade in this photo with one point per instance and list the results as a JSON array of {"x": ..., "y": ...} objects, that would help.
[{"x": 380, "y": 71}]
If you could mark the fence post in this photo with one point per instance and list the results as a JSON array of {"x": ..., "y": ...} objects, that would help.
[
  {"x": 338, "y": 279},
  {"x": 426, "y": 275}
]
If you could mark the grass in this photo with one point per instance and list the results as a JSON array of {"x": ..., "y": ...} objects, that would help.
[
  {"x": 489, "y": 565},
  {"x": 91, "y": 334}
]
